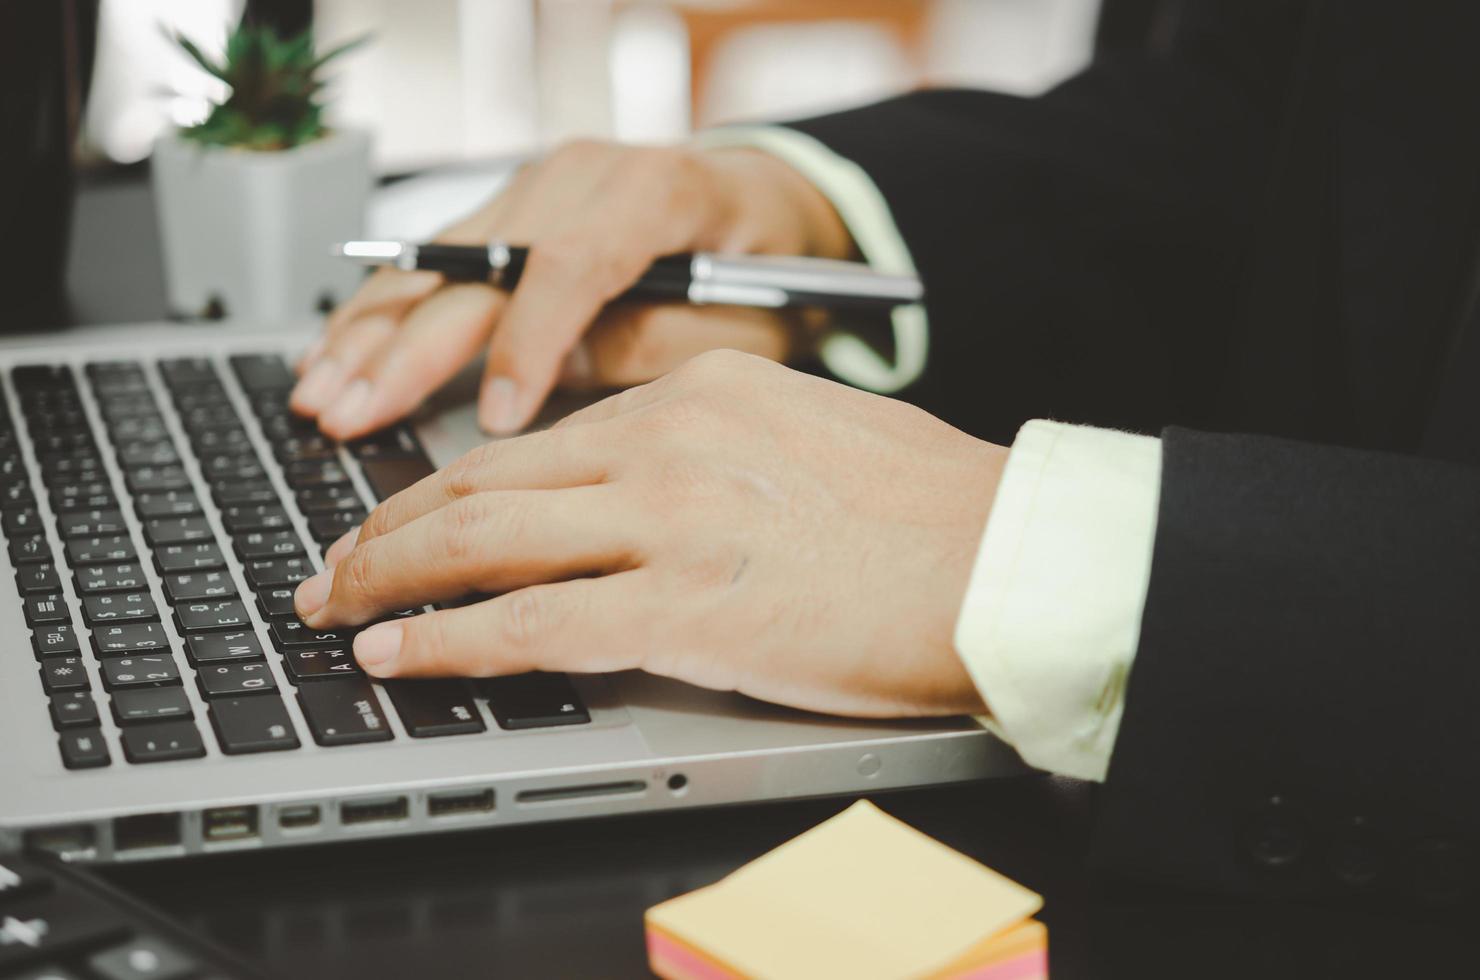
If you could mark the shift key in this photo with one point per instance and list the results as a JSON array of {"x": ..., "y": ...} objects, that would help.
[{"x": 343, "y": 712}]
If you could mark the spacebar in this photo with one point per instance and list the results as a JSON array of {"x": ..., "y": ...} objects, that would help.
[{"x": 388, "y": 477}]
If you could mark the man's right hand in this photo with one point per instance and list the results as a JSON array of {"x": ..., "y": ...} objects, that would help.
[{"x": 594, "y": 215}]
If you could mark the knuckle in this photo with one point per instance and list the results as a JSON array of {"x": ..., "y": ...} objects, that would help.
[
  {"x": 357, "y": 576},
  {"x": 463, "y": 476},
  {"x": 713, "y": 366},
  {"x": 526, "y": 618},
  {"x": 466, "y": 521},
  {"x": 378, "y": 522},
  {"x": 677, "y": 417}
]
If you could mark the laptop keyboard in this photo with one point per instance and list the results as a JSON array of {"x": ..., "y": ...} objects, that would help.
[{"x": 220, "y": 616}]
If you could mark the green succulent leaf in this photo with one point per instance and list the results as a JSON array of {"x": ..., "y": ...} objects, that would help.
[{"x": 275, "y": 85}]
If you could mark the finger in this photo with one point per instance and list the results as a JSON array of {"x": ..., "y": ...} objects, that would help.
[
  {"x": 489, "y": 542},
  {"x": 431, "y": 345},
  {"x": 328, "y": 381},
  {"x": 585, "y": 625},
  {"x": 633, "y": 343},
  {"x": 547, "y": 460},
  {"x": 629, "y": 219}
]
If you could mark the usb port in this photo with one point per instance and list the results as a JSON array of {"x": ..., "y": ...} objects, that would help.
[
  {"x": 460, "y": 803},
  {"x": 298, "y": 817},
  {"x": 378, "y": 810},
  {"x": 229, "y": 823}
]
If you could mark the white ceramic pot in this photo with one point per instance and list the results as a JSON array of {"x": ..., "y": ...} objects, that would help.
[{"x": 251, "y": 231}]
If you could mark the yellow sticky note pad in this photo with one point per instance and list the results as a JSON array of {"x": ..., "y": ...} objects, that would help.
[{"x": 861, "y": 895}]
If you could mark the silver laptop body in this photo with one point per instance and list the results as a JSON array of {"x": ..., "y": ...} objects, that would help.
[{"x": 650, "y": 744}]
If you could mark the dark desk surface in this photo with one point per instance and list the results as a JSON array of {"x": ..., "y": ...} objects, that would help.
[{"x": 566, "y": 900}]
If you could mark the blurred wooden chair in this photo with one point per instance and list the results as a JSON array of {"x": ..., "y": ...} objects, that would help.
[{"x": 711, "y": 24}]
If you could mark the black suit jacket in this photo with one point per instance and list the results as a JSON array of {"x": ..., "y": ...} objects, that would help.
[{"x": 1266, "y": 223}]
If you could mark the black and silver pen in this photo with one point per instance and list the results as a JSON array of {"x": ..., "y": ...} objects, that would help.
[{"x": 699, "y": 277}]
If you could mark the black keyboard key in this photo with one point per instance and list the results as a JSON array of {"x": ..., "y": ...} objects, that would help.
[
  {"x": 430, "y": 708},
  {"x": 84, "y": 748},
  {"x": 46, "y": 609},
  {"x": 255, "y": 517},
  {"x": 55, "y": 641},
  {"x": 132, "y": 455},
  {"x": 97, "y": 551},
  {"x": 80, "y": 464},
  {"x": 208, "y": 415},
  {"x": 118, "y": 607},
  {"x": 276, "y": 602},
  {"x": 388, "y": 477},
  {"x": 274, "y": 572},
  {"x": 16, "y": 495},
  {"x": 235, "y": 679},
  {"x": 181, "y": 371},
  {"x": 232, "y": 468},
  {"x": 162, "y": 742},
  {"x": 252, "y": 724},
  {"x": 244, "y": 493},
  {"x": 220, "y": 614},
  {"x": 116, "y": 407},
  {"x": 140, "y": 670},
  {"x": 91, "y": 523},
  {"x": 74, "y": 709},
  {"x": 156, "y": 479},
  {"x": 59, "y": 439},
  {"x": 298, "y": 449},
  {"x": 138, "y": 429},
  {"x": 326, "y": 500},
  {"x": 200, "y": 556},
  {"x": 325, "y": 663},
  {"x": 85, "y": 496},
  {"x": 536, "y": 700},
  {"x": 29, "y": 548},
  {"x": 177, "y": 530},
  {"x": 253, "y": 545},
  {"x": 29, "y": 377},
  {"x": 328, "y": 528},
  {"x": 397, "y": 442},
  {"x": 314, "y": 473},
  {"x": 285, "y": 425},
  {"x": 137, "y": 706},
  {"x": 60, "y": 674},
  {"x": 289, "y": 633},
  {"x": 167, "y": 503},
  {"x": 114, "y": 577},
  {"x": 343, "y": 712},
  {"x": 133, "y": 638},
  {"x": 258, "y": 372},
  {"x": 210, "y": 648},
  {"x": 36, "y": 577},
  {"x": 195, "y": 586},
  {"x": 21, "y": 522}
]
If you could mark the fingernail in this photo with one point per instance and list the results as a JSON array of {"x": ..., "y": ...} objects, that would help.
[
  {"x": 313, "y": 593},
  {"x": 498, "y": 411},
  {"x": 318, "y": 386},
  {"x": 577, "y": 366},
  {"x": 342, "y": 547},
  {"x": 345, "y": 414},
  {"x": 378, "y": 645}
]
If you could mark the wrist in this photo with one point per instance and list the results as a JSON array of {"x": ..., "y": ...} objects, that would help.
[{"x": 767, "y": 206}]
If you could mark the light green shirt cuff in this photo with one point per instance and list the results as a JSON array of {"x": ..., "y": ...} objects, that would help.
[
  {"x": 1052, "y": 614},
  {"x": 864, "y": 211}
]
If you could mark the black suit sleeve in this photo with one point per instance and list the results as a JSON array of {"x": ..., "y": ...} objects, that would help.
[
  {"x": 1302, "y": 716},
  {"x": 1088, "y": 238}
]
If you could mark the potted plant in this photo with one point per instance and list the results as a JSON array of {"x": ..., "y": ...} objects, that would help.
[{"x": 251, "y": 199}]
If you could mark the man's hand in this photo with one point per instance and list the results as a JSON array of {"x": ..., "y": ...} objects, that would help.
[
  {"x": 595, "y": 215},
  {"x": 735, "y": 524}
]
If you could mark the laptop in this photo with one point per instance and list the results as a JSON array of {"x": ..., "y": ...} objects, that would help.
[{"x": 158, "y": 698}]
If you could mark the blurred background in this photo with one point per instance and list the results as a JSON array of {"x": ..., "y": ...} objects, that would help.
[
  {"x": 453, "y": 91},
  {"x": 449, "y": 81}
]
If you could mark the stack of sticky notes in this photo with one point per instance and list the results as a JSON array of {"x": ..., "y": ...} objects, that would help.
[{"x": 861, "y": 895}]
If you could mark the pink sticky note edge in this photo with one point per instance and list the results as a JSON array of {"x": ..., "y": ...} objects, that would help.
[{"x": 673, "y": 960}]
